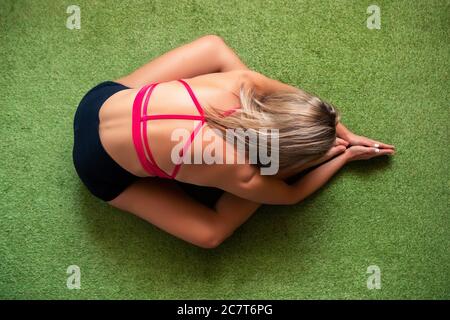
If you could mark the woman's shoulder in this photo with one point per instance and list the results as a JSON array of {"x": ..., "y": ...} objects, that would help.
[{"x": 231, "y": 81}]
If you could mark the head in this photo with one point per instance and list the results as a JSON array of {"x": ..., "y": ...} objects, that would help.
[{"x": 306, "y": 125}]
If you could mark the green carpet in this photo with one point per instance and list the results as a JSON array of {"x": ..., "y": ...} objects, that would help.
[{"x": 390, "y": 84}]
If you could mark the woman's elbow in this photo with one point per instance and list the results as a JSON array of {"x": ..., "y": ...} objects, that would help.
[
  {"x": 252, "y": 193},
  {"x": 289, "y": 198},
  {"x": 284, "y": 201}
]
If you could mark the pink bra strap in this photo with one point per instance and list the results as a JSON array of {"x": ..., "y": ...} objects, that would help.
[
  {"x": 136, "y": 130},
  {"x": 230, "y": 111},
  {"x": 171, "y": 116},
  {"x": 159, "y": 172},
  {"x": 186, "y": 147},
  {"x": 193, "y": 97},
  {"x": 139, "y": 117}
]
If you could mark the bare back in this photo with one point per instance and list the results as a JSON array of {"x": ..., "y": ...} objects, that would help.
[{"x": 217, "y": 90}]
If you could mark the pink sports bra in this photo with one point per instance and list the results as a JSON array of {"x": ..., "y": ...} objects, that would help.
[{"x": 139, "y": 129}]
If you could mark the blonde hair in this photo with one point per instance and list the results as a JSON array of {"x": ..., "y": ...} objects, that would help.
[{"x": 306, "y": 125}]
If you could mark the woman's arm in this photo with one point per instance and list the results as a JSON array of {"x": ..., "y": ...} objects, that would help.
[
  {"x": 272, "y": 190},
  {"x": 266, "y": 85},
  {"x": 339, "y": 147},
  {"x": 208, "y": 54},
  {"x": 342, "y": 131}
]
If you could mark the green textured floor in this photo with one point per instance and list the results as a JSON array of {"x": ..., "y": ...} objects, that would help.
[{"x": 390, "y": 84}]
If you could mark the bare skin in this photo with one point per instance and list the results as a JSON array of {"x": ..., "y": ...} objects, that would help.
[{"x": 215, "y": 73}]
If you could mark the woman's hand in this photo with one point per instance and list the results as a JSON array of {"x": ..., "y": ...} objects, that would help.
[
  {"x": 359, "y": 147},
  {"x": 363, "y": 153},
  {"x": 339, "y": 147},
  {"x": 356, "y": 140},
  {"x": 341, "y": 142},
  {"x": 333, "y": 152}
]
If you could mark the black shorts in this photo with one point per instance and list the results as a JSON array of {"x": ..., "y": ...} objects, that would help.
[
  {"x": 99, "y": 172},
  {"x": 103, "y": 177}
]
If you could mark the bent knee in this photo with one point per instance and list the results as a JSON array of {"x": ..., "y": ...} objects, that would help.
[
  {"x": 214, "y": 42},
  {"x": 213, "y": 39},
  {"x": 211, "y": 238},
  {"x": 210, "y": 243}
]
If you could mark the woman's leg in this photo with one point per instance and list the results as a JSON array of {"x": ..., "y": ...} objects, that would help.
[
  {"x": 207, "y": 54},
  {"x": 164, "y": 204}
]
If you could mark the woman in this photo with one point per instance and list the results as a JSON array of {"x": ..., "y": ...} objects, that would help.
[{"x": 124, "y": 147}]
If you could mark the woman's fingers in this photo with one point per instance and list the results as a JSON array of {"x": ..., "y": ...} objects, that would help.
[
  {"x": 342, "y": 142},
  {"x": 376, "y": 152},
  {"x": 382, "y": 145},
  {"x": 337, "y": 150},
  {"x": 364, "y": 153},
  {"x": 334, "y": 151},
  {"x": 376, "y": 144}
]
